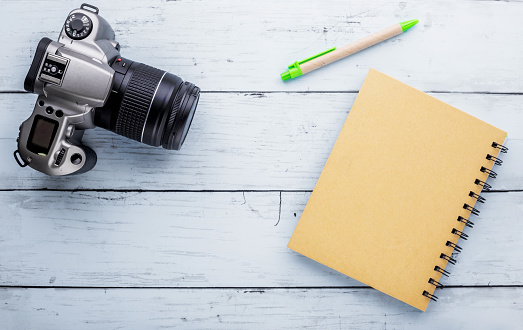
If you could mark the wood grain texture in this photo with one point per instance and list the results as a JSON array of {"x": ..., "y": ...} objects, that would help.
[
  {"x": 241, "y": 141},
  {"x": 462, "y": 308},
  {"x": 194, "y": 239},
  {"x": 245, "y": 45}
]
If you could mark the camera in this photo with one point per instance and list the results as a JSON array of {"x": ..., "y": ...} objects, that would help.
[{"x": 83, "y": 82}]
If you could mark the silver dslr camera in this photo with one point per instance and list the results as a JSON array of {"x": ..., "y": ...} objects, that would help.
[{"x": 83, "y": 82}]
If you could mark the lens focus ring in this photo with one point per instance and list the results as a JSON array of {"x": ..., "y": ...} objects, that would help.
[
  {"x": 172, "y": 117},
  {"x": 137, "y": 100}
]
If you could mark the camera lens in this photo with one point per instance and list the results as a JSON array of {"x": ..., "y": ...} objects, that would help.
[{"x": 148, "y": 105}]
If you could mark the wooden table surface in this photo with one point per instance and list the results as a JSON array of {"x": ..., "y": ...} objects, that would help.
[{"x": 197, "y": 238}]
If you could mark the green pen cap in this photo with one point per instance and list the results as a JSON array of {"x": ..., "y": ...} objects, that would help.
[
  {"x": 408, "y": 24},
  {"x": 295, "y": 69},
  {"x": 293, "y": 72}
]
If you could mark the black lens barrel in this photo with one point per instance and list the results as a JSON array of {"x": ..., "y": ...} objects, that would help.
[
  {"x": 161, "y": 108},
  {"x": 148, "y": 105},
  {"x": 137, "y": 101}
]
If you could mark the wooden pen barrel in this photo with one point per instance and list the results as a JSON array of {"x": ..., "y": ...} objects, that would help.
[{"x": 351, "y": 48}]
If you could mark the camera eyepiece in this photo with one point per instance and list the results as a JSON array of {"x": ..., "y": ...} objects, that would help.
[
  {"x": 148, "y": 105},
  {"x": 29, "y": 82}
]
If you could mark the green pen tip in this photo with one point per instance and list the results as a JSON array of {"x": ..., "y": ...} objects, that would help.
[
  {"x": 285, "y": 76},
  {"x": 408, "y": 24}
]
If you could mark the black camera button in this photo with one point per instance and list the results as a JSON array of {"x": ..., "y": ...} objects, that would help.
[
  {"x": 121, "y": 65},
  {"x": 77, "y": 24},
  {"x": 59, "y": 113},
  {"x": 76, "y": 159},
  {"x": 49, "y": 110}
]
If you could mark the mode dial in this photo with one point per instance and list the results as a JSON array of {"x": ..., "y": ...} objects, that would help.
[{"x": 78, "y": 26}]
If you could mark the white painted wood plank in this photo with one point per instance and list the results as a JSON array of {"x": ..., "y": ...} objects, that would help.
[
  {"x": 245, "y": 45},
  {"x": 458, "y": 308},
  {"x": 195, "y": 239},
  {"x": 244, "y": 141}
]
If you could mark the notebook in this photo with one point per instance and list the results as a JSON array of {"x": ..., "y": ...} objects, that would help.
[{"x": 398, "y": 189}]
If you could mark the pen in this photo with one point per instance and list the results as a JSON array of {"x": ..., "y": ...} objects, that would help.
[{"x": 331, "y": 55}]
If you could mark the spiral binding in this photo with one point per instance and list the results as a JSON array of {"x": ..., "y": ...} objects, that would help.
[
  {"x": 496, "y": 160},
  {"x": 456, "y": 247},
  {"x": 430, "y": 296},
  {"x": 461, "y": 234},
  {"x": 467, "y": 222},
  {"x": 473, "y": 211},
  {"x": 477, "y": 197},
  {"x": 491, "y": 173},
  {"x": 485, "y": 185},
  {"x": 435, "y": 283},
  {"x": 449, "y": 259},
  {"x": 501, "y": 148},
  {"x": 442, "y": 271}
]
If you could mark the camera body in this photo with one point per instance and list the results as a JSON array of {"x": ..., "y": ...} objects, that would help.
[{"x": 83, "y": 82}]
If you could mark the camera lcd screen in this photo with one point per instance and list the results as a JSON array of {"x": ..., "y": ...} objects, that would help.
[{"x": 42, "y": 135}]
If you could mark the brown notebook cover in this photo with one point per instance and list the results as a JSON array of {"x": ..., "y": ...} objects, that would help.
[{"x": 390, "y": 194}]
